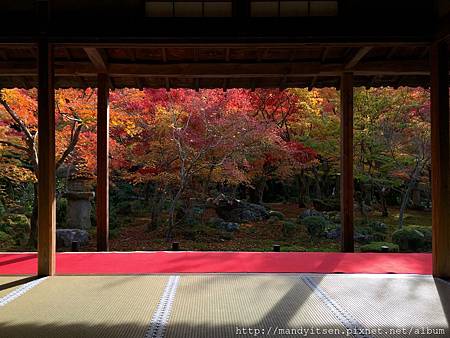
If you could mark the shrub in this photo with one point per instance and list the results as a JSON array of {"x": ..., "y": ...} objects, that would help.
[
  {"x": 273, "y": 220},
  {"x": 409, "y": 239},
  {"x": 363, "y": 234},
  {"x": 2, "y": 209},
  {"x": 376, "y": 247},
  {"x": 61, "y": 213},
  {"x": 315, "y": 225},
  {"x": 377, "y": 226},
  {"x": 17, "y": 226},
  {"x": 277, "y": 214},
  {"x": 6, "y": 240},
  {"x": 288, "y": 228},
  {"x": 327, "y": 204},
  {"x": 333, "y": 216},
  {"x": 227, "y": 236},
  {"x": 427, "y": 233}
]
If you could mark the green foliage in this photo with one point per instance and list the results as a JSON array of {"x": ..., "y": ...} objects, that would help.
[
  {"x": 326, "y": 204},
  {"x": 61, "y": 213},
  {"x": 426, "y": 242},
  {"x": 392, "y": 128},
  {"x": 378, "y": 226},
  {"x": 409, "y": 239},
  {"x": 2, "y": 209},
  {"x": 315, "y": 225},
  {"x": 277, "y": 214},
  {"x": 114, "y": 233},
  {"x": 288, "y": 228},
  {"x": 17, "y": 226},
  {"x": 6, "y": 240},
  {"x": 377, "y": 247}
]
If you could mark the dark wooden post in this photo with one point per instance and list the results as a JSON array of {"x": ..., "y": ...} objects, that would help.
[
  {"x": 46, "y": 157},
  {"x": 440, "y": 157},
  {"x": 102, "y": 196},
  {"x": 347, "y": 244}
]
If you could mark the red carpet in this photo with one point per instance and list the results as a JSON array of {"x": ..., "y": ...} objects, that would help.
[{"x": 199, "y": 262}]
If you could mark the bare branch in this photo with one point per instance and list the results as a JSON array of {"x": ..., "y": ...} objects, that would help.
[
  {"x": 71, "y": 146},
  {"x": 17, "y": 119}
]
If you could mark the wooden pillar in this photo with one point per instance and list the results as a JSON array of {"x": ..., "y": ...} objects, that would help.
[
  {"x": 46, "y": 157},
  {"x": 440, "y": 157},
  {"x": 102, "y": 195},
  {"x": 347, "y": 244}
]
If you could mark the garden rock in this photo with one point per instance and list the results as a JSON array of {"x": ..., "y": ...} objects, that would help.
[
  {"x": 333, "y": 233},
  {"x": 359, "y": 236},
  {"x": 310, "y": 212},
  {"x": 238, "y": 211},
  {"x": 65, "y": 237},
  {"x": 230, "y": 226},
  {"x": 379, "y": 247}
]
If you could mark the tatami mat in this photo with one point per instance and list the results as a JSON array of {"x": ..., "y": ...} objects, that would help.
[
  {"x": 223, "y": 305},
  {"x": 10, "y": 283},
  {"x": 84, "y": 306},
  {"x": 226, "y": 305},
  {"x": 399, "y": 307}
]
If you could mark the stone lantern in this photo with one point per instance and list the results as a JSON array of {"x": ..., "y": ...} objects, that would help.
[{"x": 79, "y": 196}]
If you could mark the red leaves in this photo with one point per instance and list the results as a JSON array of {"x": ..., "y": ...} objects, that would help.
[
  {"x": 298, "y": 152},
  {"x": 149, "y": 171}
]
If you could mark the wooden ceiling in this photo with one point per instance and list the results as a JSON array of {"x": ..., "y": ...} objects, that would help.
[
  {"x": 221, "y": 66},
  {"x": 383, "y": 42}
]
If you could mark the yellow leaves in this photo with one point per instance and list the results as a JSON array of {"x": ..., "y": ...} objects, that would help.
[
  {"x": 15, "y": 173},
  {"x": 23, "y": 102}
]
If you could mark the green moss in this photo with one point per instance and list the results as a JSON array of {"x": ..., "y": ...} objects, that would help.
[
  {"x": 315, "y": 225},
  {"x": 377, "y": 247},
  {"x": 288, "y": 228},
  {"x": 409, "y": 239}
]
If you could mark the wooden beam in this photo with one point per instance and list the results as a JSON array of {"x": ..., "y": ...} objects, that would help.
[
  {"x": 102, "y": 196},
  {"x": 444, "y": 28},
  {"x": 164, "y": 55},
  {"x": 46, "y": 147},
  {"x": 196, "y": 85},
  {"x": 347, "y": 243},
  {"x": 97, "y": 58},
  {"x": 225, "y": 85},
  {"x": 167, "y": 84},
  {"x": 440, "y": 157},
  {"x": 224, "y": 70},
  {"x": 324, "y": 54},
  {"x": 357, "y": 57}
]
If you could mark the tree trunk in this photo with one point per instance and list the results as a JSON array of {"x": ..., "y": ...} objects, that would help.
[
  {"x": 359, "y": 196},
  {"x": 318, "y": 189},
  {"x": 172, "y": 211},
  {"x": 411, "y": 185},
  {"x": 384, "y": 209},
  {"x": 416, "y": 198},
  {"x": 261, "y": 186},
  {"x": 302, "y": 189},
  {"x": 32, "y": 240}
]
